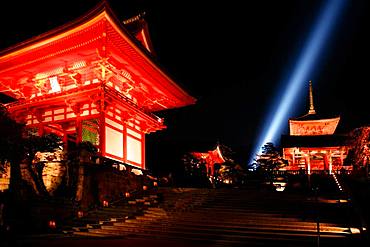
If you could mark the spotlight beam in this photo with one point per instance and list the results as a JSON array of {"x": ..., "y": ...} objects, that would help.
[{"x": 304, "y": 67}]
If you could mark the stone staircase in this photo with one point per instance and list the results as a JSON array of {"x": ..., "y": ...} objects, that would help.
[
  {"x": 119, "y": 212},
  {"x": 231, "y": 217},
  {"x": 33, "y": 216}
]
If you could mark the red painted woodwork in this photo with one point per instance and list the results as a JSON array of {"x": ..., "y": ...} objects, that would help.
[
  {"x": 210, "y": 158},
  {"x": 90, "y": 71},
  {"x": 312, "y": 144}
]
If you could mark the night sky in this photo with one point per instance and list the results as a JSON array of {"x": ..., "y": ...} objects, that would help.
[{"x": 233, "y": 57}]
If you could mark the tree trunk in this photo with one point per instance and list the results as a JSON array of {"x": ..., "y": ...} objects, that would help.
[{"x": 15, "y": 180}]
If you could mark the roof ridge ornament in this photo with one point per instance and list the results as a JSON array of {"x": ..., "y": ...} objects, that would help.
[
  {"x": 312, "y": 108},
  {"x": 134, "y": 18}
]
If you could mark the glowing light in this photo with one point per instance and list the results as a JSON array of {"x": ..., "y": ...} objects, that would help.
[
  {"x": 114, "y": 142},
  {"x": 134, "y": 150},
  {"x": 52, "y": 224},
  {"x": 137, "y": 172},
  {"x": 80, "y": 214},
  {"x": 279, "y": 186},
  {"x": 47, "y": 74},
  {"x": 55, "y": 87},
  {"x": 308, "y": 57},
  {"x": 78, "y": 65},
  {"x": 355, "y": 230}
]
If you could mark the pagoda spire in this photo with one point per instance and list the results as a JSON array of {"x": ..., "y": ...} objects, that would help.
[{"x": 312, "y": 108}]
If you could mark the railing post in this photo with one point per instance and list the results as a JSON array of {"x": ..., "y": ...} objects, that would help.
[{"x": 318, "y": 216}]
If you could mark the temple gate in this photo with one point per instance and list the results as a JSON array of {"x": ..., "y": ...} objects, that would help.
[{"x": 94, "y": 79}]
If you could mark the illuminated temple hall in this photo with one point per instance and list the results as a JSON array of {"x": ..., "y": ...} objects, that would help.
[
  {"x": 312, "y": 144},
  {"x": 93, "y": 79}
]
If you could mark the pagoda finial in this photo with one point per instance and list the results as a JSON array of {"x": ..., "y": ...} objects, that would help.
[
  {"x": 134, "y": 18},
  {"x": 312, "y": 108}
]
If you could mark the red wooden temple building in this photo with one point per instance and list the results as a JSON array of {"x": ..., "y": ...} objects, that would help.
[
  {"x": 312, "y": 144},
  {"x": 210, "y": 158},
  {"x": 94, "y": 79}
]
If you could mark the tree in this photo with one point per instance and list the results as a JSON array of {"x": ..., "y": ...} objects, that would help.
[
  {"x": 32, "y": 144},
  {"x": 195, "y": 170},
  {"x": 230, "y": 173},
  {"x": 17, "y": 145},
  {"x": 11, "y": 148},
  {"x": 81, "y": 153},
  {"x": 270, "y": 159},
  {"x": 359, "y": 152},
  {"x": 227, "y": 153}
]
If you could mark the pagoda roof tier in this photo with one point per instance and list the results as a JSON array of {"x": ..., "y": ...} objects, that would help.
[
  {"x": 288, "y": 141},
  {"x": 96, "y": 38},
  {"x": 310, "y": 117},
  {"x": 311, "y": 125}
]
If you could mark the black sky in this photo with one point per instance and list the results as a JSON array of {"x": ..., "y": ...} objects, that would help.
[{"x": 231, "y": 56}]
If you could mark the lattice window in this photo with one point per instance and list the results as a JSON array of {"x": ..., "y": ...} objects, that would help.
[{"x": 90, "y": 131}]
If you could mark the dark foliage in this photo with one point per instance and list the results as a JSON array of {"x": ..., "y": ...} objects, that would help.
[{"x": 10, "y": 137}]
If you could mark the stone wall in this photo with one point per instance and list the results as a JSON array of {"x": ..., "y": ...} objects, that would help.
[
  {"x": 52, "y": 175},
  {"x": 4, "y": 176},
  {"x": 98, "y": 183},
  {"x": 88, "y": 183}
]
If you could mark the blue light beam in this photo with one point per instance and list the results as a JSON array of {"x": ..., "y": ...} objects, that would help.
[{"x": 306, "y": 61}]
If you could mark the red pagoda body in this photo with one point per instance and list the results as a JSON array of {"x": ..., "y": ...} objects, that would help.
[
  {"x": 94, "y": 80},
  {"x": 312, "y": 145}
]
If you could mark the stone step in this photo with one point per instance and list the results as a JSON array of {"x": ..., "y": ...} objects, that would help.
[
  {"x": 211, "y": 233},
  {"x": 80, "y": 229},
  {"x": 252, "y": 222},
  {"x": 118, "y": 219},
  {"x": 106, "y": 222},
  {"x": 150, "y": 217},
  {"x": 222, "y": 217},
  {"x": 155, "y": 213},
  {"x": 155, "y": 209},
  {"x": 260, "y": 218},
  {"x": 91, "y": 234},
  {"x": 93, "y": 226},
  {"x": 198, "y": 226},
  {"x": 247, "y": 241},
  {"x": 229, "y": 218}
]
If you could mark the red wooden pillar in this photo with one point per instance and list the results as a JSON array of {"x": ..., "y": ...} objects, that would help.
[
  {"x": 102, "y": 125},
  {"x": 143, "y": 166},
  {"x": 326, "y": 162},
  {"x": 308, "y": 162},
  {"x": 124, "y": 143}
]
